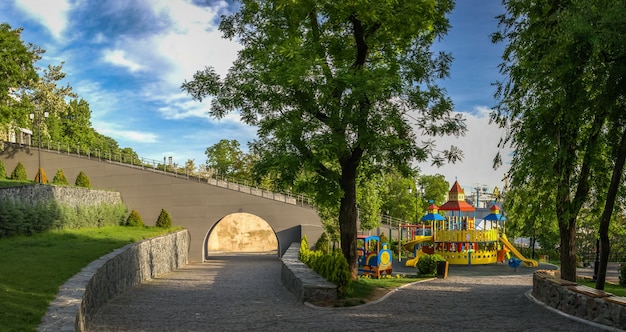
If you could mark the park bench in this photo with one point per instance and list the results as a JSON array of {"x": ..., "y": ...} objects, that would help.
[{"x": 591, "y": 292}]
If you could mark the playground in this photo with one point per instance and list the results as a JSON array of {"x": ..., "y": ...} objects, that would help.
[{"x": 451, "y": 231}]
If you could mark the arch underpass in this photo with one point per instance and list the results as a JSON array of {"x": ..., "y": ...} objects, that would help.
[{"x": 196, "y": 204}]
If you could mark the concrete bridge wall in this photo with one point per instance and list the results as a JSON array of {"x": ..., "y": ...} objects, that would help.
[{"x": 195, "y": 205}]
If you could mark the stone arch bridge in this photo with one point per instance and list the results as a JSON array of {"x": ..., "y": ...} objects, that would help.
[{"x": 220, "y": 215}]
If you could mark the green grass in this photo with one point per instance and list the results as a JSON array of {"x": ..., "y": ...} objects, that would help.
[
  {"x": 4, "y": 182},
  {"x": 32, "y": 268},
  {"x": 614, "y": 289},
  {"x": 361, "y": 290}
]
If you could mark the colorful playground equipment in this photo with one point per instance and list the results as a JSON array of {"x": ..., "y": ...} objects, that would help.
[
  {"x": 458, "y": 237},
  {"x": 373, "y": 257}
]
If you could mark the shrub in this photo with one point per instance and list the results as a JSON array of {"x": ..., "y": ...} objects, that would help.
[
  {"x": 19, "y": 172},
  {"x": 82, "y": 180},
  {"x": 323, "y": 243},
  {"x": 3, "y": 170},
  {"x": 134, "y": 219},
  {"x": 164, "y": 220},
  {"x": 332, "y": 266},
  {"x": 42, "y": 173},
  {"x": 60, "y": 179},
  {"x": 427, "y": 264}
]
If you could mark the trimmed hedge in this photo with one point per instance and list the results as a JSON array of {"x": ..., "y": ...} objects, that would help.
[
  {"x": 27, "y": 219},
  {"x": 164, "y": 220},
  {"x": 332, "y": 266},
  {"x": 19, "y": 172},
  {"x": 427, "y": 264}
]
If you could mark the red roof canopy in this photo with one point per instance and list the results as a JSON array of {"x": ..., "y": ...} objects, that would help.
[{"x": 456, "y": 206}]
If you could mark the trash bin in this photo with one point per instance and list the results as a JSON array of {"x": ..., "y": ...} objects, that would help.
[{"x": 442, "y": 269}]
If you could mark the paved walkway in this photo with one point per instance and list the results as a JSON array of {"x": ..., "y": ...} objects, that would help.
[{"x": 243, "y": 293}]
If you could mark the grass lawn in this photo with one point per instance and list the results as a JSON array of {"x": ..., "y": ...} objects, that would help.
[
  {"x": 4, "y": 182},
  {"x": 366, "y": 290},
  {"x": 32, "y": 268}
]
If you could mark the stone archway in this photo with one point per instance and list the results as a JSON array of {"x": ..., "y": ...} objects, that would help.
[{"x": 242, "y": 232}]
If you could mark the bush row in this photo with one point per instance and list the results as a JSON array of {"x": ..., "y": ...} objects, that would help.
[
  {"x": 25, "y": 219},
  {"x": 19, "y": 173},
  {"x": 332, "y": 266}
]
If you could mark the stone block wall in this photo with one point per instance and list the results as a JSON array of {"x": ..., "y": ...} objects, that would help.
[
  {"x": 73, "y": 196},
  {"x": 305, "y": 283},
  {"x": 113, "y": 274},
  {"x": 580, "y": 301}
]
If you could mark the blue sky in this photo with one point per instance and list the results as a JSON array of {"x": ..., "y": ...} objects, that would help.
[{"x": 127, "y": 59}]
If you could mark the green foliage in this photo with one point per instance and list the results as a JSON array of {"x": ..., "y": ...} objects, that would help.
[
  {"x": 323, "y": 243},
  {"x": 332, "y": 266},
  {"x": 60, "y": 179},
  {"x": 622, "y": 275},
  {"x": 134, "y": 220},
  {"x": 304, "y": 250},
  {"x": 26, "y": 219},
  {"x": 427, "y": 264},
  {"x": 19, "y": 172},
  {"x": 329, "y": 93},
  {"x": 3, "y": 170},
  {"x": 164, "y": 220},
  {"x": 82, "y": 180}
]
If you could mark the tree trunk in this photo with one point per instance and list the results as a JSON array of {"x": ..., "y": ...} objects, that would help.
[
  {"x": 605, "y": 220},
  {"x": 568, "y": 250},
  {"x": 348, "y": 215}
]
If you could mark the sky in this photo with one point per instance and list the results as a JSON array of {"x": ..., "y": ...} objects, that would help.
[{"x": 128, "y": 59}]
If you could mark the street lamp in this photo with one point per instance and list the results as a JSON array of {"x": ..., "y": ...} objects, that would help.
[
  {"x": 32, "y": 117},
  {"x": 419, "y": 191}
]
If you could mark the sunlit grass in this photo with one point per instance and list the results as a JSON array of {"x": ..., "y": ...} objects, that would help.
[
  {"x": 32, "y": 268},
  {"x": 362, "y": 290},
  {"x": 4, "y": 182}
]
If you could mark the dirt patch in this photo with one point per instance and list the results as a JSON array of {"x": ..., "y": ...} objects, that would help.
[{"x": 376, "y": 294}]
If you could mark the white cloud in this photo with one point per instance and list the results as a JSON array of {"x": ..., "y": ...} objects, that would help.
[
  {"x": 52, "y": 14},
  {"x": 128, "y": 135},
  {"x": 120, "y": 58},
  {"x": 479, "y": 147}
]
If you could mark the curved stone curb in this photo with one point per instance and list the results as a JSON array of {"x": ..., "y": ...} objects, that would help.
[
  {"x": 529, "y": 295},
  {"x": 112, "y": 274},
  {"x": 302, "y": 281}
]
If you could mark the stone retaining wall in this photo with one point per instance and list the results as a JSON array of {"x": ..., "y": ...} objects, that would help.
[
  {"x": 305, "y": 283},
  {"x": 73, "y": 196},
  {"x": 110, "y": 275},
  {"x": 580, "y": 301}
]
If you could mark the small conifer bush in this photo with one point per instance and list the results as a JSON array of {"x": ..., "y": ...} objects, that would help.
[
  {"x": 323, "y": 243},
  {"x": 82, "y": 180},
  {"x": 3, "y": 170},
  {"x": 134, "y": 219},
  {"x": 42, "y": 173},
  {"x": 19, "y": 172},
  {"x": 164, "y": 220},
  {"x": 60, "y": 179}
]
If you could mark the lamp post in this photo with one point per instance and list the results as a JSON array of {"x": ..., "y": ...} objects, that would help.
[
  {"x": 38, "y": 119},
  {"x": 419, "y": 191}
]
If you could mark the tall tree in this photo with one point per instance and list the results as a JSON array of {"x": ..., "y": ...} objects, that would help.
[
  {"x": 17, "y": 71},
  {"x": 563, "y": 103},
  {"x": 225, "y": 157},
  {"x": 331, "y": 84}
]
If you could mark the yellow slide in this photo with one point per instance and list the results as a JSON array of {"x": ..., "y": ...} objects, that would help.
[
  {"x": 527, "y": 262},
  {"x": 409, "y": 246}
]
